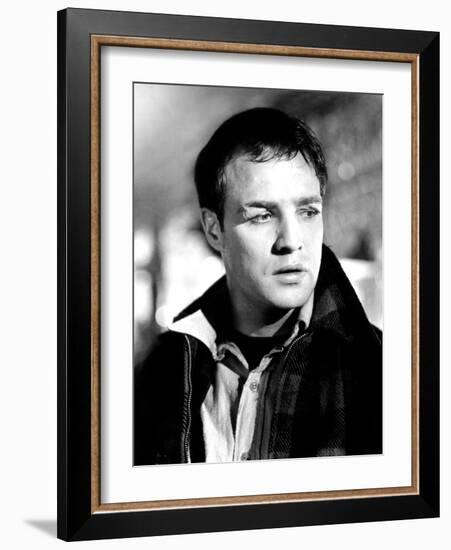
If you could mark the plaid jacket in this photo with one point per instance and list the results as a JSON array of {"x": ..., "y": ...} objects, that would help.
[{"x": 325, "y": 389}]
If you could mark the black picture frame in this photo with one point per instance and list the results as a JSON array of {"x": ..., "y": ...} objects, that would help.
[{"x": 79, "y": 515}]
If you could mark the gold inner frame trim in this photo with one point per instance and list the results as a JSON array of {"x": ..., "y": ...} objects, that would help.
[{"x": 97, "y": 41}]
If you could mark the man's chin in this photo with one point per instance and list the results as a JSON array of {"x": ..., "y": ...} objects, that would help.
[{"x": 290, "y": 299}]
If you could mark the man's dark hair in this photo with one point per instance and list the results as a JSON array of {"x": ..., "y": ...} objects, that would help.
[{"x": 260, "y": 134}]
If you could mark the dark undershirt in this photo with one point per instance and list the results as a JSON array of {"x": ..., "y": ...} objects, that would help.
[{"x": 255, "y": 347}]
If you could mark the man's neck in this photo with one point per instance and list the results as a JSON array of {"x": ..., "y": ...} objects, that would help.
[{"x": 268, "y": 324}]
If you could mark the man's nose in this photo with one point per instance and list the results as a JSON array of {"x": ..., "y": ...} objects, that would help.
[{"x": 289, "y": 238}]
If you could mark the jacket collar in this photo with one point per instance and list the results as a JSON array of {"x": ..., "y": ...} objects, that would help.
[{"x": 337, "y": 308}]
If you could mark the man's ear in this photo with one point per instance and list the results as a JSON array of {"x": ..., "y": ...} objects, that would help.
[{"x": 212, "y": 228}]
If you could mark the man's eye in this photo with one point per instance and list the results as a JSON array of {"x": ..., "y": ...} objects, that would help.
[
  {"x": 261, "y": 218},
  {"x": 309, "y": 212}
]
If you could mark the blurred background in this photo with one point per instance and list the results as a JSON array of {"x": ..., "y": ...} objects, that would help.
[{"x": 173, "y": 264}]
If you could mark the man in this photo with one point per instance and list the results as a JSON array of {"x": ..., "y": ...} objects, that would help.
[{"x": 277, "y": 359}]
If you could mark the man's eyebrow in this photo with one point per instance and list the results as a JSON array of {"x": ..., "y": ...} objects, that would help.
[
  {"x": 270, "y": 205},
  {"x": 313, "y": 199}
]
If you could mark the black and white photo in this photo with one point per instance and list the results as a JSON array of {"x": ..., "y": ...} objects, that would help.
[{"x": 257, "y": 261}]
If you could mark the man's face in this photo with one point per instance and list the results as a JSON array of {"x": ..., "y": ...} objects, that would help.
[{"x": 272, "y": 233}]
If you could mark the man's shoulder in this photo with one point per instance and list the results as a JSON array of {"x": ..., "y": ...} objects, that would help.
[
  {"x": 167, "y": 342},
  {"x": 169, "y": 354},
  {"x": 194, "y": 325},
  {"x": 166, "y": 350}
]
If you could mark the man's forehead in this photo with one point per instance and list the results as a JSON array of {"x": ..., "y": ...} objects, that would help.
[{"x": 246, "y": 178}]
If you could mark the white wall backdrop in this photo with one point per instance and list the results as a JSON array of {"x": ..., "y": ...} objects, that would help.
[{"x": 28, "y": 272}]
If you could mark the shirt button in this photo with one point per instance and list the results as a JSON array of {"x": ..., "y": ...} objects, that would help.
[{"x": 253, "y": 386}]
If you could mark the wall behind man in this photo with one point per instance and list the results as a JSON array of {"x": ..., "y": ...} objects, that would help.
[{"x": 28, "y": 273}]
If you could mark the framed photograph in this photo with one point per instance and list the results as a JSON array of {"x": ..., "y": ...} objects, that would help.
[{"x": 248, "y": 251}]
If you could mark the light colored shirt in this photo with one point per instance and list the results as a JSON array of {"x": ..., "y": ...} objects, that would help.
[{"x": 229, "y": 410}]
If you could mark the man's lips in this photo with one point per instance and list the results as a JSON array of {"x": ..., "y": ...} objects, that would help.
[
  {"x": 294, "y": 268},
  {"x": 293, "y": 274}
]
